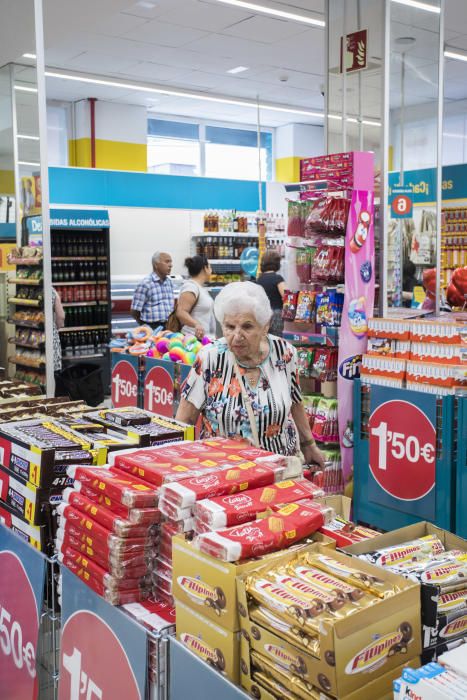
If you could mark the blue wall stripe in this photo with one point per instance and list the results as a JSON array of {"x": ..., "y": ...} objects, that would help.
[{"x": 109, "y": 188}]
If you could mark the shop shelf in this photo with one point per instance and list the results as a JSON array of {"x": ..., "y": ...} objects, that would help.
[
  {"x": 29, "y": 283},
  {"x": 83, "y": 328},
  {"x": 326, "y": 336},
  {"x": 224, "y": 234},
  {"x": 27, "y": 324},
  {"x": 71, "y": 358},
  {"x": 38, "y": 346},
  {"x": 74, "y": 283},
  {"x": 224, "y": 261},
  {"x": 26, "y": 362},
  {"x": 25, "y": 261},
  {"x": 25, "y": 302},
  {"x": 80, "y": 258},
  {"x": 80, "y": 303}
]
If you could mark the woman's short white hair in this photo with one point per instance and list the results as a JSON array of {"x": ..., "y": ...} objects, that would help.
[{"x": 241, "y": 298}]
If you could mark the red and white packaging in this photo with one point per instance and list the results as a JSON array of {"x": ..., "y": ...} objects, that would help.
[
  {"x": 118, "y": 560},
  {"x": 347, "y": 533},
  {"x": 104, "y": 541},
  {"x": 173, "y": 512},
  {"x": 229, "y": 480},
  {"x": 288, "y": 525},
  {"x": 97, "y": 529},
  {"x": 137, "y": 516},
  {"x": 105, "y": 517},
  {"x": 224, "y": 511},
  {"x": 131, "y": 492},
  {"x": 136, "y": 568},
  {"x": 154, "y": 469},
  {"x": 76, "y": 562},
  {"x": 154, "y": 615}
]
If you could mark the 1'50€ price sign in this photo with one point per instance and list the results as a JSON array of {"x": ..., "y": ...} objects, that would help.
[{"x": 402, "y": 450}]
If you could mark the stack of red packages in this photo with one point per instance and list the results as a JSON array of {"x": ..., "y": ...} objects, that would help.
[{"x": 108, "y": 533}]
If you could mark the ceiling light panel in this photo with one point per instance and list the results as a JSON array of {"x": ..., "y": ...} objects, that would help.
[
  {"x": 451, "y": 53},
  {"x": 238, "y": 69},
  {"x": 419, "y": 5},
  {"x": 273, "y": 12}
]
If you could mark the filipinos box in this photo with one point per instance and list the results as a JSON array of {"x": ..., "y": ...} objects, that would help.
[
  {"x": 208, "y": 585},
  {"x": 337, "y": 653},
  {"x": 431, "y": 608}
]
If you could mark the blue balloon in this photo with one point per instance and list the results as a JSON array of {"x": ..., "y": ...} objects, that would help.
[{"x": 249, "y": 261}]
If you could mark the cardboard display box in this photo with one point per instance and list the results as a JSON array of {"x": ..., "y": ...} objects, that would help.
[
  {"x": 25, "y": 499},
  {"x": 355, "y": 649},
  {"x": 378, "y": 689},
  {"x": 35, "y": 536},
  {"x": 209, "y": 584},
  {"x": 215, "y": 645},
  {"x": 434, "y": 624},
  {"x": 137, "y": 433}
]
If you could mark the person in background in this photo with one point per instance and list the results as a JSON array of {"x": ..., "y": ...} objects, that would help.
[
  {"x": 58, "y": 322},
  {"x": 246, "y": 384},
  {"x": 153, "y": 300},
  {"x": 409, "y": 281},
  {"x": 195, "y": 307},
  {"x": 274, "y": 286}
]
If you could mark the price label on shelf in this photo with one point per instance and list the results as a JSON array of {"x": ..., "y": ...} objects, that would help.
[
  {"x": 402, "y": 450},
  {"x": 159, "y": 391},
  {"x": 22, "y": 571},
  {"x": 103, "y": 652},
  {"x": 124, "y": 384}
]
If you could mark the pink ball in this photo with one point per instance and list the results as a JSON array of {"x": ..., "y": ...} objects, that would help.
[
  {"x": 177, "y": 355},
  {"x": 206, "y": 340},
  {"x": 162, "y": 345}
]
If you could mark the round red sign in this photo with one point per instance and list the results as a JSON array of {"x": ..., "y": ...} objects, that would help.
[
  {"x": 159, "y": 391},
  {"x": 401, "y": 205},
  {"x": 124, "y": 385},
  {"x": 402, "y": 450},
  {"x": 19, "y": 628},
  {"x": 93, "y": 663}
]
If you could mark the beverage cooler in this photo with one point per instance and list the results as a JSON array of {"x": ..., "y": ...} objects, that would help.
[{"x": 80, "y": 248}]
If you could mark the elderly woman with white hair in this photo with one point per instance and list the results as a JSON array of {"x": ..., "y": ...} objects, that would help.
[{"x": 246, "y": 383}]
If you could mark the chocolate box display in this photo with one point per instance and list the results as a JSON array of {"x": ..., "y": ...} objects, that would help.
[
  {"x": 337, "y": 647},
  {"x": 29, "y": 502},
  {"x": 439, "y": 624},
  {"x": 143, "y": 427},
  {"x": 34, "y": 535}
]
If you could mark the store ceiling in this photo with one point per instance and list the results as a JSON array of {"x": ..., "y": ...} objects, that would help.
[{"x": 192, "y": 44}]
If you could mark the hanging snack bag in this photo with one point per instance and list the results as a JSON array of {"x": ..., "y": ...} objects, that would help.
[
  {"x": 305, "y": 306},
  {"x": 304, "y": 361},
  {"x": 289, "y": 307}
]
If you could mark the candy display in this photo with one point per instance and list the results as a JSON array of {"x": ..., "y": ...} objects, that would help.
[
  {"x": 163, "y": 345},
  {"x": 147, "y": 429}
]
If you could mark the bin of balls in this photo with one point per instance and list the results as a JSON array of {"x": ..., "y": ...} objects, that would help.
[
  {"x": 162, "y": 345},
  {"x": 318, "y": 621}
]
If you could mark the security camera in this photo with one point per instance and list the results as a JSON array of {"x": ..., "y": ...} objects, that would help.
[
  {"x": 283, "y": 78},
  {"x": 321, "y": 89}
]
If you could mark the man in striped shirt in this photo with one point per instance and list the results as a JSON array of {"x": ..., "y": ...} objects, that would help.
[{"x": 153, "y": 300}]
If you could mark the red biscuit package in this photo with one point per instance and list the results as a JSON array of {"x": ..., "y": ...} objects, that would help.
[
  {"x": 137, "y": 516},
  {"x": 157, "y": 470},
  {"x": 228, "y": 480},
  {"x": 105, "y": 517},
  {"x": 119, "y": 560},
  {"x": 154, "y": 615},
  {"x": 137, "y": 570},
  {"x": 131, "y": 492},
  {"x": 112, "y": 596},
  {"x": 173, "y": 512},
  {"x": 345, "y": 532},
  {"x": 103, "y": 540},
  {"x": 224, "y": 511},
  {"x": 287, "y": 526},
  {"x": 95, "y": 528},
  {"x": 74, "y": 560}
]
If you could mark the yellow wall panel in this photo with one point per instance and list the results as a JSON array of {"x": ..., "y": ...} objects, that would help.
[
  {"x": 288, "y": 169},
  {"x": 79, "y": 152},
  {"x": 110, "y": 155},
  {"x": 7, "y": 182}
]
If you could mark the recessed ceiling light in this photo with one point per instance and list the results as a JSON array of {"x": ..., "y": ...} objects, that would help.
[
  {"x": 30, "y": 55},
  {"x": 27, "y": 137},
  {"x": 23, "y": 88},
  {"x": 238, "y": 69},
  {"x": 146, "y": 4},
  {"x": 282, "y": 14},
  {"x": 405, "y": 41},
  {"x": 419, "y": 5},
  {"x": 455, "y": 55}
]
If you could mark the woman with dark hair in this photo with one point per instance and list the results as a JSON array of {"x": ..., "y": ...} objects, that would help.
[
  {"x": 195, "y": 304},
  {"x": 274, "y": 286}
]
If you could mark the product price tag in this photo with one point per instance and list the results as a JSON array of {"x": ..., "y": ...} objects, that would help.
[
  {"x": 402, "y": 450},
  {"x": 159, "y": 391},
  {"x": 124, "y": 384},
  {"x": 22, "y": 571}
]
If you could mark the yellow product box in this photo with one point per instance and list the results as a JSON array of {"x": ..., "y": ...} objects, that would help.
[
  {"x": 342, "y": 505},
  {"x": 378, "y": 689},
  {"x": 219, "y": 647},
  {"x": 349, "y": 652},
  {"x": 209, "y": 584}
]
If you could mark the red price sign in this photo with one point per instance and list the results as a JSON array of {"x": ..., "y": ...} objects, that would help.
[
  {"x": 159, "y": 391},
  {"x": 19, "y": 628},
  {"x": 94, "y": 665},
  {"x": 402, "y": 450},
  {"x": 401, "y": 206},
  {"x": 124, "y": 385}
]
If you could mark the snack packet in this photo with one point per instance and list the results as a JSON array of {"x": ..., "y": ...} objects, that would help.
[
  {"x": 412, "y": 551},
  {"x": 131, "y": 492}
]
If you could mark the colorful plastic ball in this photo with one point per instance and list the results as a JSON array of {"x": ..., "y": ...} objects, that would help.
[
  {"x": 191, "y": 357},
  {"x": 162, "y": 345},
  {"x": 165, "y": 356},
  {"x": 178, "y": 355},
  {"x": 206, "y": 340}
]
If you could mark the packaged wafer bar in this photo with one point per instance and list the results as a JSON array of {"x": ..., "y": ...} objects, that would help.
[
  {"x": 133, "y": 569},
  {"x": 223, "y": 481},
  {"x": 301, "y": 569},
  {"x": 330, "y": 602},
  {"x": 224, "y": 511},
  {"x": 346, "y": 533},
  {"x": 452, "y": 572},
  {"x": 131, "y": 491},
  {"x": 75, "y": 560},
  {"x": 352, "y": 575},
  {"x": 412, "y": 551},
  {"x": 288, "y": 629},
  {"x": 291, "y": 606},
  {"x": 276, "y": 689},
  {"x": 288, "y": 525},
  {"x": 284, "y": 675},
  {"x": 137, "y": 516},
  {"x": 117, "y": 525},
  {"x": 455, "y": 601}
]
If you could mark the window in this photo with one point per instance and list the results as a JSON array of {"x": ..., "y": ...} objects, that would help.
[
  {"x": 182, "y": 148},
  {"x": 173, "y": 148},
  {"x": 57, "y": 133}
]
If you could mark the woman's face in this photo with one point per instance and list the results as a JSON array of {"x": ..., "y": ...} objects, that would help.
[{"x": 243, "y": 334}]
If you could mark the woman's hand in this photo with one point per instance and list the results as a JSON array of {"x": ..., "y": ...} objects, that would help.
[
  {"x": 313, "y": 455},
  {"x": 199, "y": 332}
]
